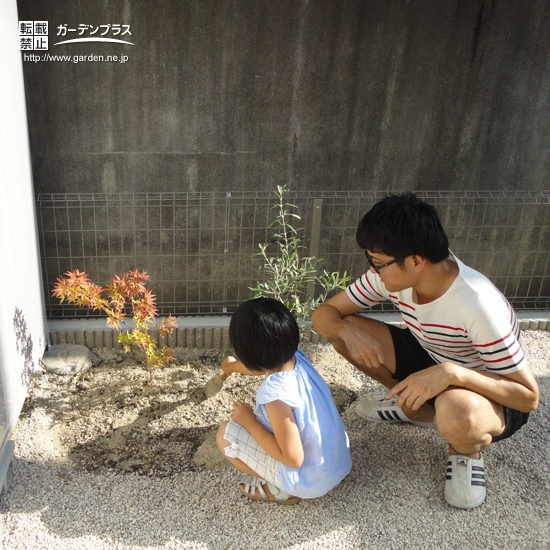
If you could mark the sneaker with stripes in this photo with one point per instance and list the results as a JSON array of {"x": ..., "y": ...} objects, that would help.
[
  {"x": 385, "y": 411},
  {"x": 465, "y": 481}
]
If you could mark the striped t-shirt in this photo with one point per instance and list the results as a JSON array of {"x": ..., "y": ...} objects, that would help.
[{"x": 472, "y": 324}]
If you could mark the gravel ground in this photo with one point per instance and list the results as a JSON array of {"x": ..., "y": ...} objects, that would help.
[{"x": 392, "y": 499}]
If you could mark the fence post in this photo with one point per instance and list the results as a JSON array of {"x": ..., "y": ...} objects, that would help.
[{"x": 315, "y": 236}]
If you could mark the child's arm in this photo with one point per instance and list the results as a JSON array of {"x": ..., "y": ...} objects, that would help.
[
  {"x": 284, "y": 444},
  {"x": 230, "y": 365}
]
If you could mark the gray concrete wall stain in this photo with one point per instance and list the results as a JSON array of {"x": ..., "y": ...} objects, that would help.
[{"x": 219, "y": 95}]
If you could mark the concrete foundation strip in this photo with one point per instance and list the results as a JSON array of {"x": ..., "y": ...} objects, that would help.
[{"x": 93, "y": 333}]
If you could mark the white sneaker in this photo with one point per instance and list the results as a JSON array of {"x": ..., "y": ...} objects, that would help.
[
  {"x": 385, "y": 411},
  {"x": 465, "y": 481}
]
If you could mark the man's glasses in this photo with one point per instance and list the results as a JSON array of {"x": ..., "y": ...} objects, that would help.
[{"x": 377, "y": 268}]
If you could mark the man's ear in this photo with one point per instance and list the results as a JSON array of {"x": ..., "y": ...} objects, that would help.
[{"x": 418, "y": 262}]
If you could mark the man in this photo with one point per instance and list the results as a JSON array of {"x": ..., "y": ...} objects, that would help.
[{"x": 459, "y": 364}]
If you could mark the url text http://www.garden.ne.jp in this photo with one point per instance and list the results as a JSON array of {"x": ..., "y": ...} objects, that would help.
[{"x": 39, "y": 58}]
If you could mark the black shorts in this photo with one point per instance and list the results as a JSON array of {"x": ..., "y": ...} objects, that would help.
[{"x": 411, "y": 357}]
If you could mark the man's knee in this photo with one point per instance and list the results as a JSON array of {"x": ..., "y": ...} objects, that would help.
[
  {"x": 456, "y": 408},
  {"x": 460, "y": 417}
]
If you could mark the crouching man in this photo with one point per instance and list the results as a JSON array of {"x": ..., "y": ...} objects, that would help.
[{"x": 459, "y": 364}]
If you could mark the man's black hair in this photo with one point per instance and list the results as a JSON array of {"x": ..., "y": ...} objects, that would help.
[
  {"x": 401, "y": 225},
  {"x": 264, "y": 334}
]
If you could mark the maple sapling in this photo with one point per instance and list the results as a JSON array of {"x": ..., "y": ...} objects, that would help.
[{"x": 113, "y": 299}]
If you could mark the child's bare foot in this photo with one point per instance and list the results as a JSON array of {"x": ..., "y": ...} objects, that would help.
[{"x": 256, "y": 488}]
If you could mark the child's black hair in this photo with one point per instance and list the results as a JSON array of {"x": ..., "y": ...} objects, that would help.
[
  {"x": 401, "y": 225},
  {"x": 264, "y": 334}
]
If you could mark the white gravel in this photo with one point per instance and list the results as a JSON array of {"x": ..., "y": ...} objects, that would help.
[{"x": 393, "y": 498}]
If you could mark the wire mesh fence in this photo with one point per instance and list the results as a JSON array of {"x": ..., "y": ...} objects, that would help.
[{"x": 198, "y": 248}]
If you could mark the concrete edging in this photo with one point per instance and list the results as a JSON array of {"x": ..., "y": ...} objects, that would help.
[{"x": 213, "y": 332}]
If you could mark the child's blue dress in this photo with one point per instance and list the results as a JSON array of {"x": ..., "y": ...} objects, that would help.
[{"x": 324, "y": 437}]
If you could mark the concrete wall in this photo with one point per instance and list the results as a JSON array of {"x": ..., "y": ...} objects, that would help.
[{"x": 246, "y": 94}]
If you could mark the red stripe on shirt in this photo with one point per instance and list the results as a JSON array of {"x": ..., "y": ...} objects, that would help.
[
  {"x": 393, "y": 297},
  {"x": 361, "y": 292},
  {"x": 501, "y": 340},
  {"x": 373, "y": 289},
  {"x": 426, "y": 337},
  {"x": 446, "y": 327},
  {"x": 504, "y": 358}
]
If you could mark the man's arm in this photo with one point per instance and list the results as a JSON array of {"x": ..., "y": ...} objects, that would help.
[
  {"x": 518, "y": 390},
  {"x": 334, "y": 320}
]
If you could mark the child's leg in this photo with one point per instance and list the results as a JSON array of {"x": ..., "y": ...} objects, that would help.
[
  {"x": 223, "y": 444},
  {"x": 240, "y": 448}
]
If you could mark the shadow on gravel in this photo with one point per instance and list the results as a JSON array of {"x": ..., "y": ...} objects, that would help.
[{"x": 106, "y": 421}]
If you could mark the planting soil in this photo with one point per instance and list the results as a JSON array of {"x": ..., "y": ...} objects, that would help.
[{"x": 106, "y": 419}]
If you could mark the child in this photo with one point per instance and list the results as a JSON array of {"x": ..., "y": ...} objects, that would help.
[{"x": 293, "y": 444}]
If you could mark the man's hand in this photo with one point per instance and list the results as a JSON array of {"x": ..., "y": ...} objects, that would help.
[
  {"x": 363, "y": 348},
  {"x": 417, "y": 388},
  {"x": 243, "y": 414},
  {"x": 336, "y": 320}
]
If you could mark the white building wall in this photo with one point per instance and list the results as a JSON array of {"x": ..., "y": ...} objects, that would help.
[{"x": 22, "y": 318}]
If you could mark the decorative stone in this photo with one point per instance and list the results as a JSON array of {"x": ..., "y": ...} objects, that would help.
[{"x": 67, "y": 359}]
